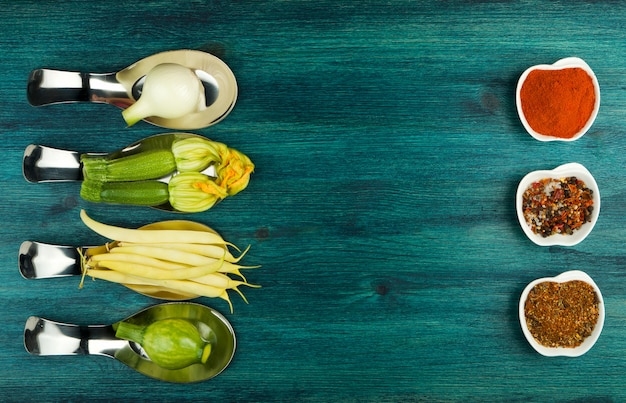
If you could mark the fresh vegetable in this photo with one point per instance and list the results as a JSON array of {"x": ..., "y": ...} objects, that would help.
[
  {"x": 188, "y": 287},
  {"x": 143, "y": 269},
  {"x": 104, "y": 255},
  {"x": 169, "y": 343},
  {"x": 148, "y": 164},
  {"x": 185, "y": 262},
  {"x": 170, "y": 91},
  {"x": 140, "y": 193},
  {"x": 233, "y": 174},
  {"x": 127, "y": 180},
  {"x": 194, "y": 154},
  {"x": 151, "y": 235},
  {"x": 171, "y": 255},
  {"x": 232, "y": 166},
  {"x": 198, "y": 249},
  {"x": 193, "y": 192}
]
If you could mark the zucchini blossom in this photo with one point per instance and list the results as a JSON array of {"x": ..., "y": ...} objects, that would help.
[
  {"x": 194, "y": 154},
  {"x": 233, "y": 168},
  {"x": 192, "y": 192},
  {"x": 233, "y": 174}
]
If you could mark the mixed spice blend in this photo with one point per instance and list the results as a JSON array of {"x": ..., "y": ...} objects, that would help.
[
  {"x": 562, "y": 314},
  {"x": 557, "y": 206}
]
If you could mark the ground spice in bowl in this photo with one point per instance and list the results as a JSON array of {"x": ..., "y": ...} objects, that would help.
[
  {"x": 562, "y": 314},
  {"x": 558, "y": 102},
  {"x": 557, "y": 205}
]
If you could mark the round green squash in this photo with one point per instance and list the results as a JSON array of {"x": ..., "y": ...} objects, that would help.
[{"x": 169, "y": 343}]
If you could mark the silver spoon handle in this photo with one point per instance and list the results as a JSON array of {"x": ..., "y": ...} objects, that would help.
[
  {"x": 47, "y": 164},
  {"x": 46, "y": 337},
  {"x": 47, "y": 86},
  {"x": 40, "y": 260}
]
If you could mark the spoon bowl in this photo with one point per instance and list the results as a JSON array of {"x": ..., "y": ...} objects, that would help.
[
  {"x": 47, "y": 337},
  {"x": 46, "y": 164},
  {"x": 123, "y": 88}
]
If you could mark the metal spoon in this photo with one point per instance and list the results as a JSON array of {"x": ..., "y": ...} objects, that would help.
[
  {"x": 38, "y": 260},
  {"x": 47, "y": 337},
  {"x": 122, "y": 89},
  {"x": 47, "y": 164}
]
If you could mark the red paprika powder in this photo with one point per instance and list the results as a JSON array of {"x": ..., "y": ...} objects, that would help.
[{"x": 558, "y": 103}]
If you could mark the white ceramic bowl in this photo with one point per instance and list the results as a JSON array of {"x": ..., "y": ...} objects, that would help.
[
  {"x": 563, "y": 351},
  {"x": 571, "y": 169},
  {"x": 569, "y": 62}
]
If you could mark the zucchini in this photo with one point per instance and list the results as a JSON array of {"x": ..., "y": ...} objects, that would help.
[
  {"x": 169, "y": 343},
  {"x": 149, "y": 164},
  {"x": 140, "y": 193}
]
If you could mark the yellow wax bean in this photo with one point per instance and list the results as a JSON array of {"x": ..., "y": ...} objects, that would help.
[
  {"x": 154, "y": 273},
  {"x": 150, "y": 235},
  {"x": 160, "y": 292},
  {"x": 171, "y": 255},
  {"x": 231, "y": 268},
  {"x": 132, "y": 258},
  {"x": 197, "y": 288},
  {"x": 188, "y": 287},
  {"x": 214, "y": 251},
  {"x": 221, "y": 280}
]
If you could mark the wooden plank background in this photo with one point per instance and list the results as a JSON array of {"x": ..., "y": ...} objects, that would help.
[{"x": 388, "y": 150}]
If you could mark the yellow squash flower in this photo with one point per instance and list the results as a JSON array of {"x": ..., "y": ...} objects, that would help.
[
  {"x": 192, "y": 192},
  {"x": 194, "y": 154},
  {"x": 233, "y": 174}
]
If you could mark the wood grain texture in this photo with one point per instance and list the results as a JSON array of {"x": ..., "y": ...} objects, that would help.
[{"x": 388, "y": 151}]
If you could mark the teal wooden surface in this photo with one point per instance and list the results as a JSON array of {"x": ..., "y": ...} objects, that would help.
[{"x": 388, "y": 151}]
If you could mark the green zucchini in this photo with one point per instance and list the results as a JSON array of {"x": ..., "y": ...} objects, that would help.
[
  {"x": 140, "y": 193},
  {"x": 169, "y": 343},
  {"x": 149, "y": 164}
]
